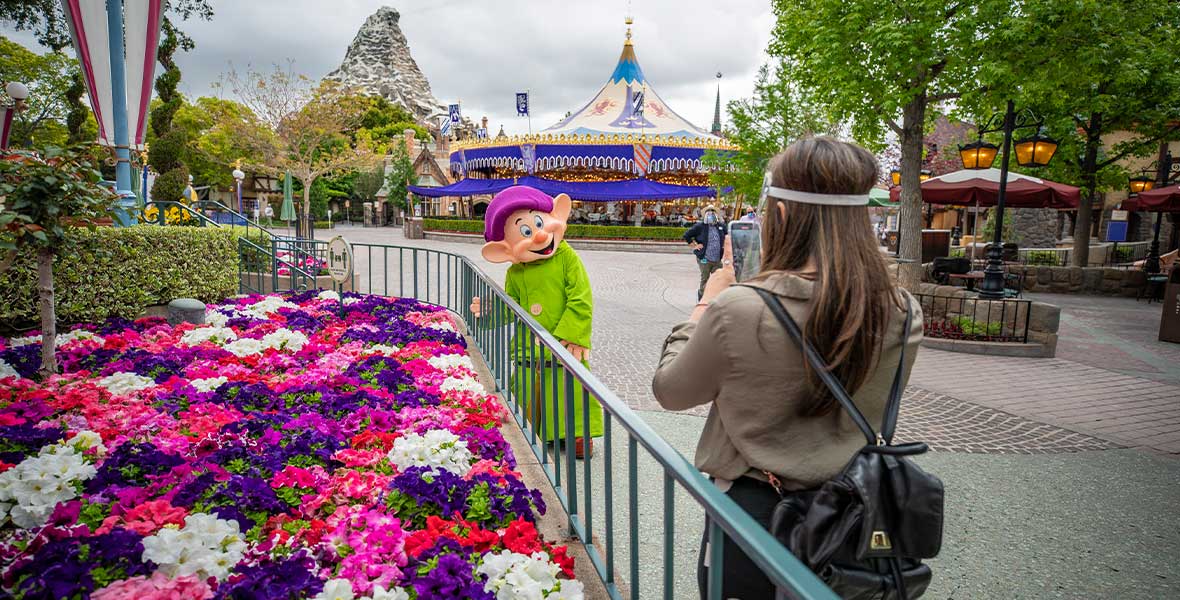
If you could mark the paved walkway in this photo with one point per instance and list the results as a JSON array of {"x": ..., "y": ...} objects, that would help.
[{"x": 1061, "y": 473}]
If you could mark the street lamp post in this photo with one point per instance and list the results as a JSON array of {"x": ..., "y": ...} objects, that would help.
[
  {"x": 1033, "y": 151},
  {"x": 18, "y": 92},
  {"x": 1151, "y": 263},
  {"x": 238, "y": 177}
]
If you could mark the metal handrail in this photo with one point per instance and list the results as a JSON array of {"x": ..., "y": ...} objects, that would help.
[{"x": 464, "y": 279}]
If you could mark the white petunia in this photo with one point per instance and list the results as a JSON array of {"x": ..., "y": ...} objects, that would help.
[
  {"x": 217, "y": 318},
  {"x": 86, "y": 440},
  {"x": 336, "y": 589},
  {"x": 462, "y": 384},
  {"x": 60, "y": 339},
  {"x": 208, "y": 384},
  {"x": 6, "y": 371},
  {"x": 124, "y": 382},
  {"x": 446, "y": 362},
  {"x": 350, "y": 301},
  {"x": 443, "y": 325},
  {"x": 244, "y": 347},
  {"x": 268, "y": 305},
  {"x": 24, "y": 341},
  {"x": 436, "y": 449},
  {"x": 205, "y": 546},
  {"x": 394, "y": 593},
  {"x": 511, "y": 575},
  {"x": 31, "y": 490},
  {"x": 215, "y": 334},
  {"x": 328, "y": 295},
  {"x": 285, "y": 339}
]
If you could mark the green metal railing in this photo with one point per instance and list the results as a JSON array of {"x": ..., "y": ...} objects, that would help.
[{"x": 506, "y": 335}]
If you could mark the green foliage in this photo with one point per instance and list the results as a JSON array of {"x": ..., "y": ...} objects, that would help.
[
  {"x": 384, "y": 122},
  {"x": 165, "y": 152},
  {"x": 214, "y": 147},
  {"x": 1042, "y": 258},
  {"x": 43, "y": 195},
  {"x": 776, "y": 115},
  {"x": 573, "y": 231},
  {"x": 988, "y": 231},
  {"x": 400, "y": 173},
  {"x": 170, "y": 185},
  {"x": 980, "y": 328},
  {"x": 166, "y": 82},
  {"x": 49, "y": 77},
  {"x": 118, "y": 272}
]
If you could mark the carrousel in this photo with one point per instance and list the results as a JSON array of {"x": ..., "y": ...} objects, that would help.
[{"x": 625, "y": 157}]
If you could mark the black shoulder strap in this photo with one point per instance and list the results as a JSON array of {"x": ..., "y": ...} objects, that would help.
[
  {"x": 889, "y": 424},
  {"x": 833, "y": 384}
]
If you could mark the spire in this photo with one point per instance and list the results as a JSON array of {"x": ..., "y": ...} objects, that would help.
[
  {"x": 627, "y": 68},
  {"x": 717, "y": 111}
]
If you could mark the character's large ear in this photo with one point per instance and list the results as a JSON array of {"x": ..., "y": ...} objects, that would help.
[
  {"x": 497, "y": 252},
  {"x": 561, "y": 208}
]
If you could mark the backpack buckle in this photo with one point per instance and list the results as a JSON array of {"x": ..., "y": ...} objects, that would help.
[{"x": 880, "y": 440}]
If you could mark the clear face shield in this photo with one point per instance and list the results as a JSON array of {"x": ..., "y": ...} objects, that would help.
[{"x": 762, "y": 198}]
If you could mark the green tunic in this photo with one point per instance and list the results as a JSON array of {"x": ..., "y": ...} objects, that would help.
[{"x": 556, "y": 292}]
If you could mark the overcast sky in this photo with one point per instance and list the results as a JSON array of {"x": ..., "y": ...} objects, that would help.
[{"x": 482, "y": 52}]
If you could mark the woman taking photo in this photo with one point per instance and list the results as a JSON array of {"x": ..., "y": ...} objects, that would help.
[{"x": 771, "y": 414}]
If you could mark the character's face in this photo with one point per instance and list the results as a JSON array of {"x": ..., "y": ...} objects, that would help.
[{"x": 530, "y": 235}]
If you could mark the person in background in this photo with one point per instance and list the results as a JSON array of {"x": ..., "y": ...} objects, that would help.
[
  {"x": 770, "y": 412},
  {"x": 751, "y": 215},
  {"x": 706, "y": 239}
]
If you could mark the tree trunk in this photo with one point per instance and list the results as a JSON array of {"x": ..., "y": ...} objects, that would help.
[
  {"x": 308, "y": 231},
  {"x": 48, "y": 318},
  {"x": 910, "y": 220},
  {"x": 1085, "y": 218}
]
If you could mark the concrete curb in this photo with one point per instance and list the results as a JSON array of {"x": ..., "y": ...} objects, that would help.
[{"x": 988, "y": 348}]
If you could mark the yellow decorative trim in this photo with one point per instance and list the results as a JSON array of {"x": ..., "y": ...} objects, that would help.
[{"x": 601, "y": 139}]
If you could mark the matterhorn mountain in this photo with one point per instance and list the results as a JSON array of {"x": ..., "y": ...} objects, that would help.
[{"x": 378, "y": 62}]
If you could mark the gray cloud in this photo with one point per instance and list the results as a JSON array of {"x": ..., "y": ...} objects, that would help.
[{"x": 484, "y": 52}]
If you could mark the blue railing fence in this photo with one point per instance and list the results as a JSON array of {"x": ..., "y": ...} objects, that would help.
[{"x": 622, "y": 501}]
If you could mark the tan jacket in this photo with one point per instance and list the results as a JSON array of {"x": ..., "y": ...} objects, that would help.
[{"x": 742, "y": 360}]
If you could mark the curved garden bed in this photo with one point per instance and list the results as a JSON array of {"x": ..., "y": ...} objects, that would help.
[{"x": 305, "y": 446}]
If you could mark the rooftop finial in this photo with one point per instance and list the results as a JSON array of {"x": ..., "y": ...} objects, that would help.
[{"x": 629, "y": 21}]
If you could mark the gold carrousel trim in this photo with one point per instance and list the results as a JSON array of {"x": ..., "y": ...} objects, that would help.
[{"x": 591, "y": 139}]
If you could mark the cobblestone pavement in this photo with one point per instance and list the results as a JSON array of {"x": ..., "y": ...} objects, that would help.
[{"x": 1111, "y": 386}]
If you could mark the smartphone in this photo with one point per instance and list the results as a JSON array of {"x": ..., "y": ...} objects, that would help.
[{"x": 746, "y": 239}]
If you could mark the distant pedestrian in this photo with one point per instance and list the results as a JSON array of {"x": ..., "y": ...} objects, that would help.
[
  {"x": 751, "y": 215},
  {"x": 706, "y": 239}
]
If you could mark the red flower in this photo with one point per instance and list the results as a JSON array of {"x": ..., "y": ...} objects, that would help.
[
  {"x": 419, "y": 542},
  {"x": 521, "y": 537},
  {"x": 559, "y": 557}
]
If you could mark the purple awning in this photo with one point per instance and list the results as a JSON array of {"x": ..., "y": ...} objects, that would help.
[{"x": 599, "y": 191}]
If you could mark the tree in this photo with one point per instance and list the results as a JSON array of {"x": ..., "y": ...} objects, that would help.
[
  {"x": 761, "y": 126},
  {"x": 212, "y": 147},
  {"x": 870, "y": 61},
  {"x": 50, "y": 78},
  {"x": 1122, "y": 76},
  {"x": 399, "y": 175},
  {"x": 43, "y": 198},
  {"x": 297, "y": 127},
  {"x": 367, "y": 183}
]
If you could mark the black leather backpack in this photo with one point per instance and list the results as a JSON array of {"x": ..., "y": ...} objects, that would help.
[{"x": 865, "y": 531}]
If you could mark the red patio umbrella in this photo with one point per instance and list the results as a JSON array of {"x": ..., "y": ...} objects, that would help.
[
  {"x": 981, "y": 187},
  {"x": 1165, "y": 199}
]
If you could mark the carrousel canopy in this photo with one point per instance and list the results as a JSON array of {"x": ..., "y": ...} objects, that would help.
[{"x": 625, "y": 131}]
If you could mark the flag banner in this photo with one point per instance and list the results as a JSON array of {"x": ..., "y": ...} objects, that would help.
[
  {"x": 642, "y": 157},
  {"x": 455, "y": 116},
  {"x": 522, "y": 104},
  {"x": 481, "y": 133},
  {"x": 637, "y": 103},
  {"x": 444, "y": 126},
  {"x": 528, "y": 152}
]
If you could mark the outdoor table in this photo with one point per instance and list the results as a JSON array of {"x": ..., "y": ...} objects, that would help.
[{"x": 970, "y": 278}]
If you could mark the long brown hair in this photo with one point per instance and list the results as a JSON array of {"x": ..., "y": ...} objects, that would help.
[{"x": 853, "y": 291}]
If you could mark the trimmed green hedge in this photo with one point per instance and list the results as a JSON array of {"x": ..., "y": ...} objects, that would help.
[
  {"x": 118, "y": 272},
  {"x": 594, "y": 232}
]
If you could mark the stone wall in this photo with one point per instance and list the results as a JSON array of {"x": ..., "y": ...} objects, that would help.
[
  {"x": 948, "y": 302},
  {"x": 1036, "y": 227},
  {"x": 1101, "y": 281}
]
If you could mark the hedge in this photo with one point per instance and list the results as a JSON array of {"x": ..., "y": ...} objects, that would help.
[
  {"x": 596, "y": 232},
  {"x": 119, "y": 272}
]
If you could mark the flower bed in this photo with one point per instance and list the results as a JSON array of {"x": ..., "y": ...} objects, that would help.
[{"x": 299, "y": 446}]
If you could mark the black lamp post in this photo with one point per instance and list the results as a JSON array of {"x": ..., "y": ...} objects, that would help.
[
  {"x": 1033, "y": 151},
  {"x": 1151, "y": 263}
]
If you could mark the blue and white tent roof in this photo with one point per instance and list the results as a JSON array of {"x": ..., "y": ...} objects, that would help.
[{"x": 611, "y": 111}]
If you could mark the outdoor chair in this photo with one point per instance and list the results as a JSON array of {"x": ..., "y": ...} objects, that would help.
[
  {"x": 1153, "y": 287},
  {"x": 1013, "y": 284}
]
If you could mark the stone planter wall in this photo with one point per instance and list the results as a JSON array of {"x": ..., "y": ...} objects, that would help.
[
  {"x": 1099, "y": 281},
  {"x": 950, "y": 301}
]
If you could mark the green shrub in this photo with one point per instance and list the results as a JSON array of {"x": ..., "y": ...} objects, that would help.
[
  {"x": 1042, "y": 258},
  {"x": 596, "y": 232},
  {"x": 167, "y": 150},
  {"x": 971, "y": 327},
  {"x": 323, "y": 224},
  {"x": 118, "y": 272},
  {"x": 170, "y": 185}
]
